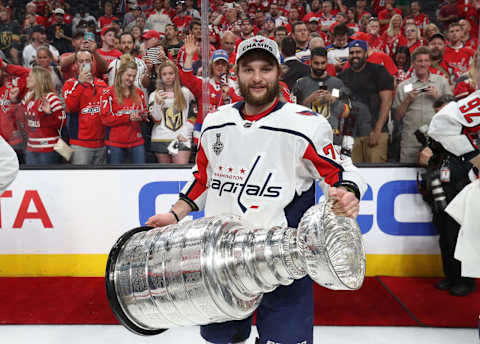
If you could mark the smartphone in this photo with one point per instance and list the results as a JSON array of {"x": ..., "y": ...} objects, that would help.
[
  {"x": 89, "y": 36},
  {"x": 153, "y": 54},
  {"x": 86, "y": 67},
  {"x": 322, "y": 86}
]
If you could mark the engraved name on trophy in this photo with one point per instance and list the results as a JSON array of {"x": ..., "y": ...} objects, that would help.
[{"x": 217, "y": 268}]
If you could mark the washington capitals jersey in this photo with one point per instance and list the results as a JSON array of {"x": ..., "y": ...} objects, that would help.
[
  {"x": 265, "y": 170},
  {"x": 457, "y": 126}
]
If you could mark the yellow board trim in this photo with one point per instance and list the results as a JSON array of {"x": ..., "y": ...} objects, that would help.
[{"x": 93, "y": 265}]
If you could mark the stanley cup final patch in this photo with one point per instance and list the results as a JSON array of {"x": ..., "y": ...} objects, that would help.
[{"x": 218, "y": 145}]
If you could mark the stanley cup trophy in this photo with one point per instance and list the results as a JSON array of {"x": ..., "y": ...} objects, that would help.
[{"x": 217, "y": 268}]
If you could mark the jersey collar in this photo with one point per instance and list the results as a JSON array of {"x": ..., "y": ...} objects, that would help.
[{"x": 252, "y": 118}]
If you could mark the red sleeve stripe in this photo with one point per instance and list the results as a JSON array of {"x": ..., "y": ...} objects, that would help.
[
  {"x": 332, "y": 173},
  {"x": 199, "y": 186}
]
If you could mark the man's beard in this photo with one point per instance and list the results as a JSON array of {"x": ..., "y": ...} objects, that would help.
[
  {"x": 360, "y": 63},
  {"x": 318, "y": 72},
  {"x": 272, "y": 92}
]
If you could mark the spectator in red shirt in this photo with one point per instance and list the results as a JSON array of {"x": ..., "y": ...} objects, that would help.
[
  {"x": 181, "y": 20},
  {"x": 351, "y": 23},
  {"x": 402, "y": 61},
  {"x": 168, "y": 9},
  {"x": 292, "y": 17},
  {"x": 82, "y": 101},
  {"x": 108, "y": 17},
  {"x": 421, "y": 19},
  {"x": 108, "y": 50},
  {"x": 439, "y": 65},
  {"x": 393, "y": 37},
  {"x": 375, "y": 40},
  {"x": 123, "y": 107},
  {"x": 448, "y": 13},
  {"x": 412, "y": 34},
  {"x": 387, "y": 14},
  {"x": 455, "y": 53},
  {"x": 361, "y": 8},
  {"x": 467, "y": 39},
  {"x": 315, "y": 12}
]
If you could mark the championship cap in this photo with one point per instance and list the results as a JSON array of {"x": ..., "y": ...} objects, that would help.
[
  {"x": 313, "y": 19},
  {"x": 220, "y": 55},
  {"x": 258, "y": 42},
  {"x": 59, "y": 11},
  {"x": 107, "y": 29}
]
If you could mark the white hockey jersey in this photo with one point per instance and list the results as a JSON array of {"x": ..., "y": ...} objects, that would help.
[
  {"x": 457, "y": 125},
  {"x": 265, "y": 170}
]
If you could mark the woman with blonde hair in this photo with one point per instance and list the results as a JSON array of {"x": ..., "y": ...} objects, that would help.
[
  {"x": 170, "y": 108},
  {"x": 393, "y": 37},
  {"x": 44, "y": 116},
  {"x": 123, "y": 107},
  {"x": 414, "y": 39},
  {"x": 430, "y": 30}
]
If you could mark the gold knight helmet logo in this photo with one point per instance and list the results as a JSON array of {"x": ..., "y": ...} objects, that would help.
[{"x": 173, "y": 118}]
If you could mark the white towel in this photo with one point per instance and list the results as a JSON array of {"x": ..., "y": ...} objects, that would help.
[{"x": 465, "y": 209}]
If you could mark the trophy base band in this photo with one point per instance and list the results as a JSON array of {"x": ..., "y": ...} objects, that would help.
[{"x": 111, "y": 290}]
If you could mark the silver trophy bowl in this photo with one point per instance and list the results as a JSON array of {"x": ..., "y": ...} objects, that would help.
[{"x": 217, "y": 269}]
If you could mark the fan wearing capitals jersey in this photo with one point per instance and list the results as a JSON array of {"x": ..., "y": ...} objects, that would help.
[
  {"x": 82, "y": 100},
  {"x": 259, "y": 158}
]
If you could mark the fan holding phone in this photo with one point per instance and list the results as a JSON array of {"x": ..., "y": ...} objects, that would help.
[{"x": 170, "y": 108}]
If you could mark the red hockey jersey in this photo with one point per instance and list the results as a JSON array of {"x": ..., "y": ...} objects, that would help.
[
  {"x": 9, "y": 120},
  {"x": 121, "y": 131},
  {"x": 41, "y": 127},
  {"x": 82, "y": 102}
]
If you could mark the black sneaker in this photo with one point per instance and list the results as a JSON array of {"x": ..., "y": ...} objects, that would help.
[
  {"x": 461, "y": 289},
  {"x": 443, "y": 284}
]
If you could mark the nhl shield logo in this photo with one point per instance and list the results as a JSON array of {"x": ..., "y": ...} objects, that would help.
[{"x": 218, "y": 145}]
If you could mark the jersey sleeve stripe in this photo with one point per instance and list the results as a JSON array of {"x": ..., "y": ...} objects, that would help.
[{"x": 332, "y": 173}]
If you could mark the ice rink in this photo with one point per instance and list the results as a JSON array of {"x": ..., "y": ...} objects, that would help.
[{"x": 100, "y": 334}]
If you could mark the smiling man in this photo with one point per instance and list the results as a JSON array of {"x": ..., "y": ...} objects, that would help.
[
  {"x": 274, "y": 152},
  {"x": 414, "y": 100},
  {"x": 371, "y": 85}
]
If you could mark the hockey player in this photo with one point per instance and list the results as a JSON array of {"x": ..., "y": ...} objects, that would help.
[
  {"x": 259, "y": 159},
  {"x": 82, "y": 102}
]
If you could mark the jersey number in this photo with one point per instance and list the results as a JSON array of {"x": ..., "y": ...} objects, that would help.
[
  {"x": 470, "y": 105},
  {"x": 329, "y": 150}
]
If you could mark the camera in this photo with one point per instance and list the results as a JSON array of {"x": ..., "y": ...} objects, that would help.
[
  {"x": 422, "y": 136},
  {"x": 423, "y": 89},
  {"x": 322, "y": 86},
  {"x": 438, "y": 193}
]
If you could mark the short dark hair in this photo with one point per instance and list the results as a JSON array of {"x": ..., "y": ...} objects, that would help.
[
  {"x": 288, "y": 46},
  {"x": 297, "y": 23},
  {"x": 340, "y": 30},
  {"x": 318, "y": 51},
  {"x": 193, "y": 23},
  {"x": 453, "y": 25},
  {"x": 280, "y": 28},
  {"x": 421, "y": 51}
]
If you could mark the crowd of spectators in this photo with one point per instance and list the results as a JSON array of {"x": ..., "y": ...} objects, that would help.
[{"x": 120, "y": 80}]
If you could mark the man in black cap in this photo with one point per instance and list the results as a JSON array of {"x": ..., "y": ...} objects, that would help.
[
  {"x": 439, "y": 66},
  {"x": 372, "y": 85},
  {"x": 38, "y": 39}
]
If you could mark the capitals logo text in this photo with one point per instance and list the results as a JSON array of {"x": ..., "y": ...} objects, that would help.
[{"x": 239, "y": 184}]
